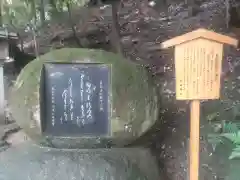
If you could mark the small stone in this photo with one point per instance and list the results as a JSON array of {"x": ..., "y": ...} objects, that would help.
[
  {"x": 8, "y": 128},
  {"x": 2, "y": 143},
  {"x": 17, "y": 138}
]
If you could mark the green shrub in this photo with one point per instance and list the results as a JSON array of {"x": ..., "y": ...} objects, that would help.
[{"x": 223, "y": 129}]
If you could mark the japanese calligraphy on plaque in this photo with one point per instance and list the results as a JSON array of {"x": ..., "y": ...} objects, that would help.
[{"x": 75, "y": 99}]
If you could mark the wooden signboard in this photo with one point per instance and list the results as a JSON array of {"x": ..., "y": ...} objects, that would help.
[
  {"x": 201, "y": 61},
  {"x": 198, "y": 66},
  {"x": 75, "y": 99}
]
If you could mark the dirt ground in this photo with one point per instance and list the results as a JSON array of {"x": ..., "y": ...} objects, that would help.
[
  {"x": 169, "y": 142},
  {"x": 169, "y": 139}
]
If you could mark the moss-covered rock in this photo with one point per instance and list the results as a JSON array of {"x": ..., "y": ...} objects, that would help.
[{"x": 134, "y": 98}]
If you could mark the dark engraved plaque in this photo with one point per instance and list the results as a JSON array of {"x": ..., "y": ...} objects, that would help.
[{"x": 74, "y": 99}]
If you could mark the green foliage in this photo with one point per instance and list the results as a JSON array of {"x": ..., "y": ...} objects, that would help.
[
  {"x": 230, "y": 128},
  {"x": 224, "y": 119},
  {"x": 212, "y": 116},
  {"x": 226, "y": 130},
  {"x": 17, "y": 14},
  {"x": 22, "y": 14},
  {"x": 214, "y": 140},
  {"x": 235, "y": 153}
]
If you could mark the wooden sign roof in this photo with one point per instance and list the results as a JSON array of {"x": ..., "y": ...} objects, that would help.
[{"x": 199, "y": 33}]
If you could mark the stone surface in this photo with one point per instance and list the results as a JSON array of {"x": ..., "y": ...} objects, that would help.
[
  {"x": 8, "y": 129},
  {"x": 134, "y": 99},
  {"x": 16, "y": 138},
  {"x": 29, "y": 161}
]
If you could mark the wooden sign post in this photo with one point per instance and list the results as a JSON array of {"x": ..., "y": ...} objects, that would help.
[{"x": 198, "y": 65}]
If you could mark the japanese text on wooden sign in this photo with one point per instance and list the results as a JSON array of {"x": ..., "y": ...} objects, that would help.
[
  {"x": 198, "y": 69},
  {"x": 198, "y": 63}
]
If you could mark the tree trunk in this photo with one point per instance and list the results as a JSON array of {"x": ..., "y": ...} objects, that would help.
[
  {"x": 53, "y": 5},
  {"x": 42, "y": 12},
  {"x": 115, "y": 38},
  {"x": 73, "y": 25},
  {"x": 54, "y": 10},
  {"x": 34, "y": 13},
  {"x": 1, "y": 13},
  {"x": 35, "y": 43},
  {"x": 191, "y": 6}
]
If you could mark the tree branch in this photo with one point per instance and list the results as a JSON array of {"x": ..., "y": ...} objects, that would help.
[
  {"x": 42, "y": 12},
  {"x": 72, "y": 25}
]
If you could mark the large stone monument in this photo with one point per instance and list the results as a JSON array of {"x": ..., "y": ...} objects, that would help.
[
  {"x": 5, "y": 36},
  {"x": 90, "y": 98},
  {"x": 74, "y": 104}
]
